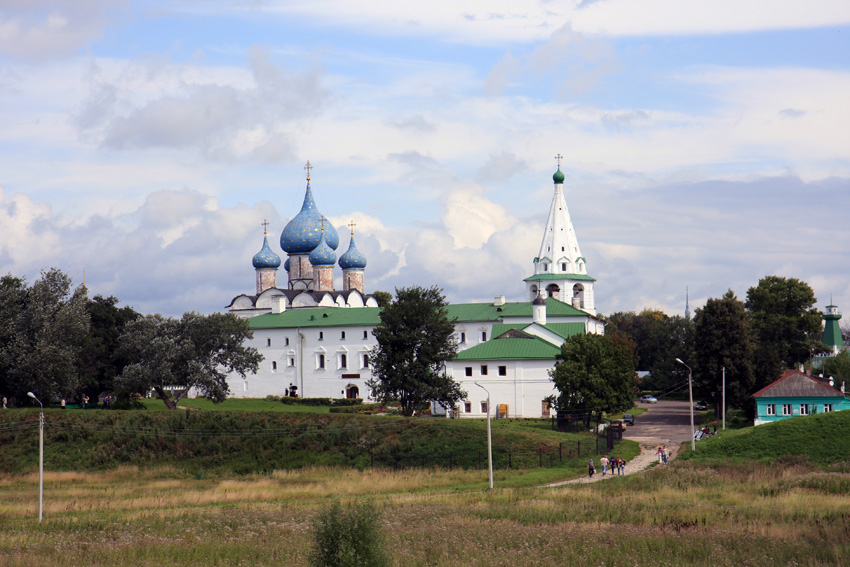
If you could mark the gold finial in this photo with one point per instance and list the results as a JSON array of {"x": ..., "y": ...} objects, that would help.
[
  {"x": 323, "y": 220},
  {"x": 559, "y": 157},
  {"x": 308, "y": 168},
  {"x": 265, "y": 224},
  {"x": 351, "y": 225}
]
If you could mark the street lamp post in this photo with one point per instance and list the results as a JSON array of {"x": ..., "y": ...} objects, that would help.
[
  {"x": 691, "y": 398},
  {"x": 489, "y": 437},
  {"x": 40, "y": 457}
]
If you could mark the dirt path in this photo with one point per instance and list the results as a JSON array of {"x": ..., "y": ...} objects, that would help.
[{"x": 664, "y": 423}]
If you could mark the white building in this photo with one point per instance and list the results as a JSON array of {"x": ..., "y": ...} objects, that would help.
[{"x": 316, "y": 341}]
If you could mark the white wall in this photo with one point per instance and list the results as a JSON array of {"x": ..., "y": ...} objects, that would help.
[{"x": 523, "y": 388}]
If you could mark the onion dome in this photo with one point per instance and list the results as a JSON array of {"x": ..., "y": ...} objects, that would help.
[
  {"x": 266, "y": 258},
  {"x": 352, "y": 259},
  {"x": 303, "y": 233},
  {"x": 539, "y": 300},
  {"x": 558, "y": 178},
  {"x": 286, "y": 265},
  {"x": 322, "y": 255}
]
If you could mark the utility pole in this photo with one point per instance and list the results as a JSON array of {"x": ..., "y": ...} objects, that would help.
[{"x": 724, "y": 398}]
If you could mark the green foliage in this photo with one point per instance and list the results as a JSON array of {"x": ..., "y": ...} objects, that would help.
[
  {"x": 785, "y": 320},
  {"x": 349, "y": 536},
  {"x": 383, "y": 298},
  {"x": 100, "y": 362},
  {"x": 43, "y": 330},
  {"x": 594, "y": 372},
  {"x": 838, "y": 367},
  {"x": 197, "y": 351},
  {"x": 724, "y": 338},
  {"x": 415, "y": 339}
]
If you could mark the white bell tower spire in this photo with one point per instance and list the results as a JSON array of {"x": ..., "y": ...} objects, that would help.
[{"x": 560, "y": 270}]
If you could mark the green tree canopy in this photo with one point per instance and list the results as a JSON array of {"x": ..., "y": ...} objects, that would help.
[
  {"x": 43, "y": 329},
  {"x": 383, "y": 298},
  {"x": 838, "y": 367},
  {"x": 723, "y": 338},
  {"x": 415, "y": 339},
  {"x": 197, "y": 351},
  {"x": 594, "y": 372}
]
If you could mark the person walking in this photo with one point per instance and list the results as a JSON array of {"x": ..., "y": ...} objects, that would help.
[
  {"x": 622, "y": 466},
  {"x": 665, "y": 453},
  {"x": 604, "y": 462},
  {"x": 660, "y": 454},
  {"x": 591, "y": 468}
]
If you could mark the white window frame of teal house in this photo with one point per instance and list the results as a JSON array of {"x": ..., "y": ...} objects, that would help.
[
  {"x": 805, "y": 409},
  {"x": 770, "y": 409},
  {"x": 827, "y": 408},
  {"x": 786, "y": 409}
]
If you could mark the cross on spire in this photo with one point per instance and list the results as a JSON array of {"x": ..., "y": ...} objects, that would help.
[
  {"x": 559, "y": 157},
  {"x": 308, "y": 168},
  {"x": 351, "y": 225},
  {"x": 265, "y": 224}
]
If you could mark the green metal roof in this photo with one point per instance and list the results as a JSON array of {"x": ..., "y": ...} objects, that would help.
[
  {"x": 532, "y": 348},
  {"x": 501, "y": 328},
  {"x": 318, "y": 317},
  {"x": 579, "y": 277},
  {"x": 468, "y": 312},
  {"x": 566, "y": 330}
]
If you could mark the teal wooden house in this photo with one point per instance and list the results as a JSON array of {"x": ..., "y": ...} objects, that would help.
[{"x": 797, "y": 393}]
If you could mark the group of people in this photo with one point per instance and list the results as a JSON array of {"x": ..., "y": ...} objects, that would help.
[
  {"x": 616, "y": 464},
  {"x": 663, "y": 454}
]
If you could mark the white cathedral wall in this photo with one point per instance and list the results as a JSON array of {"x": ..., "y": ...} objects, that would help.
[
  {"x": 311, "y": 359},
  {"x": 523, "y": 388}
]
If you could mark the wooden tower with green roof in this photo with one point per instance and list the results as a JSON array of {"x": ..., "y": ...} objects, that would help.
[
  {"x": 831, "y": 330},
  {"x": 560, "y": 270}
]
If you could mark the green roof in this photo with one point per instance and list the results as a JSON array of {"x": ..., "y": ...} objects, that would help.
[
  {"x": 566, "y": 330},
  {"x": 501, "y": 328},
  {"x": 579, "y": 277},
  {"x": 532, "y": 348},
  {"x": 318, "y": 317},
  {"x": 467, "y": 312}
]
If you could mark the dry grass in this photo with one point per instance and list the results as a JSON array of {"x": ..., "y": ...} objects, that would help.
[{"x": 684, "y": 514}]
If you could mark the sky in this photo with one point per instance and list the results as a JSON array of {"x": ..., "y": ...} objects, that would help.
[{"x": 706, "y": 144}]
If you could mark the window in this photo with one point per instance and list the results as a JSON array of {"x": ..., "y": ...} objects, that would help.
[
  {"x": 343, "y": 361},
  {"x": 545, "y": 267},
  {"x": 321, "y": 335},
  {"x": 365, "y": 334},
  {"x": 827, "y": 407},
  {"x": 286, "y": 341},
  {"x": 771, "y": 409},
  {"x": 804, "y": 409},
  {"x": 483, "y": 335},
  {"x": 483, "y": 407},
  {"x": 503, "y": 371},
  {"x": 268, "y": 342},
  {"x": 291, "y": 361},
  {"x": 786, "y": 409},
  {"x": 484, "y": 370},
  {"x": 467, "y": 407},
  {"x": 274, "y": 365},
  {"x": 544, "y": 410},
  {"x": 563, "y": 266},
  {"x": 365, "y": 361},
  {"x": 342, "y": 335},
  {"x": 463, "y": 337},
  {"x": 468, "y": 371},
  {"x": 320, "y": 363}
]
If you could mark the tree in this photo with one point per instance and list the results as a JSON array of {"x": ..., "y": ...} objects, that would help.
[
  {"x": 785, "y": 320},
  {"x": 197, "y": 351},
  {"x": 415, "y": 339},
  {"x": 838, "y": 367},
  {"x": 43, "y": 334},
  {"x": 99, "y": 361},
  {"x": 594, "y": 372},
  {"x": 723, "y": 338},
  {"x": 383, "y": 298}
]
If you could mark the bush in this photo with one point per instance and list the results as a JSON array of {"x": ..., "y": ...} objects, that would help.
[
  {"x": 292, "y": 401},
  {"x": 358, "y": 408},
  {"x": 348, "y": 537}
]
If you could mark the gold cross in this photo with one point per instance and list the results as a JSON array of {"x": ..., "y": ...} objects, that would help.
[
  {"x": 352, "y": 225},
  {"x": 557, "y": 157},
  {"x": 308, "y": 168},
  {"x": 265, "y": 224}
]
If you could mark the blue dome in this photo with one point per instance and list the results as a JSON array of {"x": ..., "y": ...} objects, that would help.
[
  {"x": 304, "y": 231},
  {"x": 322, "y": 255},
  {"x": 286, "y": 265},
  {"x": 352, "y": 259},
  {"x": 266, "y": 258}
]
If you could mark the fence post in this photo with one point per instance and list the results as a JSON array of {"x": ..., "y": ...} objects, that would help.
[
  {"x": 540, "y": 457},
  {"x": 479, "y": 459},
  {"x": 560, "y": 453},
  {"x": 579, "y": 448},
  {"x": 510, "y": 459}
]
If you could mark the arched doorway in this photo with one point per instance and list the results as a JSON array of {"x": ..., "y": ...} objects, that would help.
[{"x": 352, "y": 391}]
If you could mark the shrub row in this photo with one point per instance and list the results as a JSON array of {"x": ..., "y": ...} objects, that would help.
[{"x": 291, "y": 401}]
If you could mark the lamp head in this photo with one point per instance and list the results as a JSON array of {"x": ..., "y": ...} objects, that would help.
[
  {"x": 679, "y": 360},
  {"x": 30, "y": 394}
]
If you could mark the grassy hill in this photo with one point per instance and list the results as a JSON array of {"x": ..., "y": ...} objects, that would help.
[
  {"x": 824, "y": 439},
  {"x": 262, "y": 441}
]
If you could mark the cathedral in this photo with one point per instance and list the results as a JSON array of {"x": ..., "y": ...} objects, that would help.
[{"x": 316, "y": 341}]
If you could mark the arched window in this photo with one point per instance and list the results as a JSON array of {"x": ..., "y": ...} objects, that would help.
[{"x": 553, "y": 290}]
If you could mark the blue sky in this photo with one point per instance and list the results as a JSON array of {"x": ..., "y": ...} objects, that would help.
[{"x": 706, "y": 144}]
